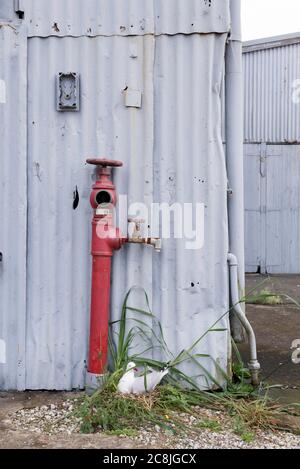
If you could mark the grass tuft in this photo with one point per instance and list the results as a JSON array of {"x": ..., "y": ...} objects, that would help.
[
  {"x": 266, "y": 297},
  {"x": 240, "y": 429},
  {"x": 107, "y": 410},
  {"x": 210, "y": 424}
]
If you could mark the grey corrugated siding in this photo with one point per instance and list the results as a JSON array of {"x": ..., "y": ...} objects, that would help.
[
  {"x": 271, "y": 151},
  {"x": 269, "y": 76},
  {"x": 13, "y": 204},
  {"x": 59, "y": 238},
  {"x": 172, "y": 151},
  {"x": 189, "y": 165},
  {"x": 272, "y": 210},
  {"x": 125, "y": 17}
]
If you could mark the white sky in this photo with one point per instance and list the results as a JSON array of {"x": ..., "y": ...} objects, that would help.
[{"x": 263, "y": 18}]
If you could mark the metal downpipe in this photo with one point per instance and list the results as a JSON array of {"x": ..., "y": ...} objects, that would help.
[
  {"x": 253, "y": 364},
  {"x": 234, "y": 153}
]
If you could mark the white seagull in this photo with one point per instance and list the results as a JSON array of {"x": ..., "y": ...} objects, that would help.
[{"x": 129, "y": 384}]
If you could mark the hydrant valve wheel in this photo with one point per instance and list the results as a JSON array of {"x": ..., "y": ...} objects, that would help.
[{"x": 104, "y": 162}]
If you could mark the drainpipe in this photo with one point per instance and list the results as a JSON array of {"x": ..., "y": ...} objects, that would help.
[
  {"x": 253, "y": 364},
  {"x": 234, "y": 154}
]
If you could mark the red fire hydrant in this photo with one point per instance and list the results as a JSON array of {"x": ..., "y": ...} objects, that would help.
[{"x": 106, "y": 238}]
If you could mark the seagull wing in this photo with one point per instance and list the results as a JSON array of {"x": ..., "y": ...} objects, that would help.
[{"x": 143, "y": 384}]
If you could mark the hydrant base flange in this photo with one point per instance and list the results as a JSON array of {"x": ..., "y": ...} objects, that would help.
[{"x": 94, "y": 382}]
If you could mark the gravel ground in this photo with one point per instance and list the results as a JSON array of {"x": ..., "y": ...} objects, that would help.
[
  {"x": 51, "y": 419},
  {"x": 58, "y": 419}
]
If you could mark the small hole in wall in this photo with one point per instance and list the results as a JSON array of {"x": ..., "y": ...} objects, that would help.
[
  {"x": 55, "y": 27},
  {"x": 192, "y": 284}
]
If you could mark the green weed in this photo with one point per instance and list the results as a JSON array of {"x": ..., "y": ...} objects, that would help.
[
  {"x": 266, "y": 297},
  {"x": 240, "y": 429},
  {"x": 210, "y": 424}
]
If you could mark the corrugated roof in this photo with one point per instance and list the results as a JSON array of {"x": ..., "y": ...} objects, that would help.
[{"x": 271, "y": 42}]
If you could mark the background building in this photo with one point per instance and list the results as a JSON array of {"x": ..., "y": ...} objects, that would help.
[{"x": 272, "y": 154}]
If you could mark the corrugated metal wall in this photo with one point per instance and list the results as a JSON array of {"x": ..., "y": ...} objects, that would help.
[
  {"x": 255, "y": 207},
  {"x": 272, "y": 208},
  {"x": 172, "y": 151},
  {"x": 271, "y": 115},
  {"x": 190, "y": 288},
  {"x": 130, "y": 17},
  {"x": 13, "y": 203},
  {"x": 272, "y": 154},
  {"x": 58, "y": 144},
  {"x": 283, "y": 209}
]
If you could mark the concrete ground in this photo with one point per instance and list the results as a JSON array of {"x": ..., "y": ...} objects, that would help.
[
  {"x": 276, "y": 328},
  {"x": 279, "y": 284}
]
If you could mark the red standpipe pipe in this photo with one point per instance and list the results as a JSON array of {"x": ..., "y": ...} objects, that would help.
[
  {"x": 99, "y": 314},
  {"x": 105, "y": 240}
]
